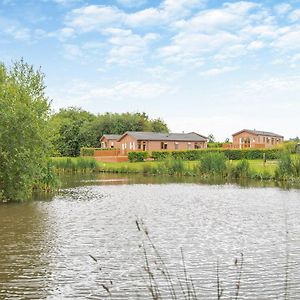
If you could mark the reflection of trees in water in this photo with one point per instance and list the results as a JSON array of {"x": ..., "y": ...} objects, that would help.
[{"x": 24, "y": 239}]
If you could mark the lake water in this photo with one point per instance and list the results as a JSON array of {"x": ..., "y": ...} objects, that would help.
[{"x": 48, "y": 247}]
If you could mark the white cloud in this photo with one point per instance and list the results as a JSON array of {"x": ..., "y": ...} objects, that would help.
[
  {"x": 132, "y": 3},
  {"x": 80, "y": 92},
  {"x": 67, "y": 2},
  {"x": 94, "y": 17},
  {"x": 73, "y": 52},
  {"x": 256, "y": 45},
  {"x": 127, "y": 47},
  {"x": 289, "y": 40},
  {"x": 283, "y": 8},
  {"x": 294, "y": 16},
  {"x": 219, "y": 71}
]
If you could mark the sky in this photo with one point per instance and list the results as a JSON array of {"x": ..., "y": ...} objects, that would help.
[{"x": 213, "y": 67}]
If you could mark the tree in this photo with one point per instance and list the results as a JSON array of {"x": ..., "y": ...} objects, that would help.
[
  {"x": 24, "y": 131},
  {"x": 211, "y": 138},
  {"x": 67, "y": 136},
  {"x": 75, "y": 128}
]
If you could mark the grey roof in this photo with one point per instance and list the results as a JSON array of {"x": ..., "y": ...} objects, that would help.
[
  {"x": 159, "y": 136},
  {"x": 258, "y": 132},
  {"x": 111, "y": 136}
]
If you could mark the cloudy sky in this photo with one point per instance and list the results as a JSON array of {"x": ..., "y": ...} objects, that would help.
[{"x": 210, "y": 66}]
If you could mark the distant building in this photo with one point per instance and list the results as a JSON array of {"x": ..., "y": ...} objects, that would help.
[
  {"x": 154, "y": 141},
  {"x": 110, "y": 141},
  {"x": 255, "y": 139}
]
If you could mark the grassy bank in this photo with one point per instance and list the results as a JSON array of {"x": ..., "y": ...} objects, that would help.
[
  {"x": 258, "y": 168},
  {"x": 286, "y": 168}
]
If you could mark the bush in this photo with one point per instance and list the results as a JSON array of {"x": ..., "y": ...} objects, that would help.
[
  {"x": 87, "y": 151},
  {"x": 232, "y": 154},
  {"x": 175, "y": 166},
  {"x": 160, "y": 155},
  {"x": 296, "y": 165},
  {"x": 290, "y": 147},
  {"x": 285, "y": 166},
  {"x": 213, "y": 163},
  {"x": 241, "y": 170},
  {"x": 137, "y": 156}
]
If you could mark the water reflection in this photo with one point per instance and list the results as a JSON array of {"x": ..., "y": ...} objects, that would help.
[
  {"x": 24, "y": 239},
  {"x": 47, "y": 248}
]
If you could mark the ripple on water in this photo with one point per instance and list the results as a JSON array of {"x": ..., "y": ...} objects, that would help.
[{"x": 48, "y": 249}]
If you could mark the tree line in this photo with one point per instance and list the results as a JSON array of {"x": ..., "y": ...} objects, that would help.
[
  {"x": 74, "y": 128},
  {"x": 30, "y": 133}
]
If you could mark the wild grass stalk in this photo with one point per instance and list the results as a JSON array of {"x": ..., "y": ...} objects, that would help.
[
  {"x": 177, "y": 290},
  {"x": 213, "y": 164}
]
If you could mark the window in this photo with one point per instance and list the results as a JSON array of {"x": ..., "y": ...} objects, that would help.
[
  {"x": 176, "y": 146},
  {"x": 139, "y": 145},
  {"x": 163, "y": 145},
  {"x": 189, "y": 146},
  {"x": 144, "y": 146}
]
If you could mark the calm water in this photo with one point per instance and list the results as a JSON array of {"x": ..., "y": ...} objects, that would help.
[{"x": 45, "y": 246}]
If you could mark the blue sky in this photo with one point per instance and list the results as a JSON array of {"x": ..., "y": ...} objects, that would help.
[{"x": 206, "y": 66}]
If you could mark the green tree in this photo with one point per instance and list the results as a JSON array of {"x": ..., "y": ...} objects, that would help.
[
  {"x": 24, "y": 131},
  {"x": 67, "y": 135},
  {"x": 75, "y": 128},
  {"x": 211, "y": 138}
]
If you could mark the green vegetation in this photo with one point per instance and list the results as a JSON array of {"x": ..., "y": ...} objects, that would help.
[
  {"x": 24, "y": 131},
  {"x": 232, "y": 154},
  {"x": 75, "y": 128},
  {"x": 137, "y": 156},
  {"x": 288, "y": 167},
  {"x": 211, "y": 164}
]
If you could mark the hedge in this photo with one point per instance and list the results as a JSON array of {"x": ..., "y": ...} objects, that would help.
[
  {"x": 87, "y": 151},
  {"x": 233, "y": 154},
  {"x": 137, "y": 156}
]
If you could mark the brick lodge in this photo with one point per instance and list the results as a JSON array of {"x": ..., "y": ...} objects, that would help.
[
  {"x": 114, "y": 148},
  {"x": 153, "y": 141},
  {"x": 247, "y": 138}
]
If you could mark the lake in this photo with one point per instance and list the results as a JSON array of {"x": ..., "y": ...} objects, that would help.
[{"x": 85, "y": 242}]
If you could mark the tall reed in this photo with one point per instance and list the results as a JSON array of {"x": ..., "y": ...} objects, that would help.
[{"x": 213, "y": 163}]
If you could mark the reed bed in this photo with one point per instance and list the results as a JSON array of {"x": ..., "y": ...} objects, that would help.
[{"x": 286, "y": 168}]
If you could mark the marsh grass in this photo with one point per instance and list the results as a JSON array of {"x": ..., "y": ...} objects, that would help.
[
  {"x": 180, "y": 285},
  {"x": 288, "y": 167},
  {"x": 213, "y": 164},
  {"x": 74, "y": 164}
]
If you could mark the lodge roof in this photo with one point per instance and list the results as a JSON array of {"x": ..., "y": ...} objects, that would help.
[
  {"x": 111, "y": 136},
  {"x": 159, "y": 136},
  {"x": 258, "y": 132}
]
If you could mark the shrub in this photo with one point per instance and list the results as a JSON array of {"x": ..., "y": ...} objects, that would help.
[
  {"x": 160, "y": 155},
  {"x": 137, "y": 156},
  {"x": 290, "y": 147},
  {"x": 296, "y": 165},
  {"x": 87, "y": 151},
  {"x": 175, "y": 166},
  {"x": 242, "y": 169},
  {"x": 285, "y": 166},
  {"x": 213, "y": 163},
  {"x": 232, "y": 154}
]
